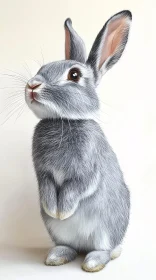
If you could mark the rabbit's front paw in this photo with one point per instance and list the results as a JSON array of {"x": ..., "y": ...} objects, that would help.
[
  {"x": 66, "y": 206},
  {"x": 65, "y": 215},
  {"x": 52, "y": 213}
]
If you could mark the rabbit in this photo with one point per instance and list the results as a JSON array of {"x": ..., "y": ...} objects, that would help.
[{"x": 84, "y": 200}]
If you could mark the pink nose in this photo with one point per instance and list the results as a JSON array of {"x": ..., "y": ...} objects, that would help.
[{"x": 34, "y": 85}]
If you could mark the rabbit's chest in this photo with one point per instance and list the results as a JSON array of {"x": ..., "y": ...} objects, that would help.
[{"x": 61, "y": 149}]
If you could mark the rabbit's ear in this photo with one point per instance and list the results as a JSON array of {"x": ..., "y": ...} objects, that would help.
[
  {"x": 74, "y": 45},
  {"x": 109, "y": 43}
]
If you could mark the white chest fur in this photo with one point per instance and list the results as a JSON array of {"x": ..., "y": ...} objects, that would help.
[{"x": 80, "y": 232}]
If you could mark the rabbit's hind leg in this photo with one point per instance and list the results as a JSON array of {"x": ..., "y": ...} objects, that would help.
[
  {"x": 96, "y": 260},
  {"x": 60, "y": 255}
]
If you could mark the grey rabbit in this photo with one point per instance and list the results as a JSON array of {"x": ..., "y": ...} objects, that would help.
[{"x": 84, "y": 200}]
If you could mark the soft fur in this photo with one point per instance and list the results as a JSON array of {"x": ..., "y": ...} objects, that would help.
[{"x": 83, "y": 197}]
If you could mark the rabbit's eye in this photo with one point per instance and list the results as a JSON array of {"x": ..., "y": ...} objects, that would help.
[{"x": 74, "y": 75}]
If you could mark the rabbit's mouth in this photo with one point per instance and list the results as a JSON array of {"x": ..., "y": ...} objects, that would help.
[
  {"x": 33, "y": 90},
  {"x": 33, "y": 99}
]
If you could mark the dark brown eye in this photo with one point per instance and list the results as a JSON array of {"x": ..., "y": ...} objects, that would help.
[{"x": 74, "y": 75}]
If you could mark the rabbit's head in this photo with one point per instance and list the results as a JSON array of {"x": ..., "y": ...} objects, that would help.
[{"x": 67, "y": 88}]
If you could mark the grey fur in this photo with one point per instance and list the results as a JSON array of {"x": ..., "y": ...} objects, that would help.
[
  {"x": 55, "y": 255},
  {"x": 93, "y": 56},
  {"x": 77, "y": 50},
  {"x": 96, "y": 260},
  {"x": 83, "y": 197}
]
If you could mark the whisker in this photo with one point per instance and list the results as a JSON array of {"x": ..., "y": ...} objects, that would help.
[
  {"x": 21, "y": 112},
  {"x": 16, "y": 78},
  {"x": 12, "y": 101},
  {"x": 42, "y": 56},
  {"x": 15, "y": 94},
  {"x": 20, "y": 75},
  {"x": 37, "y": 62},
  {"x": 10, "y": 105},
  {"x": 11, "y": 114},
  {"x": 12, "y": 87},
  {"x": 28, "y": 70}
]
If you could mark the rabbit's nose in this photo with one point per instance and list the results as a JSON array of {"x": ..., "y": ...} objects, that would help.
[{"x": 33, "y": 84}]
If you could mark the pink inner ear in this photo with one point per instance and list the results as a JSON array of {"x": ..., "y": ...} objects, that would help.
[
  {"x": 67, "y": 44},
  {"x": 113, "y": 39}
]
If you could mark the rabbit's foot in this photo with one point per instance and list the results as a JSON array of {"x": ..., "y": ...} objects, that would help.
[
  {"x": 60, "y": 255},
  {"x": 115, "y": 253},
  {"x": 95, "y": 261}
]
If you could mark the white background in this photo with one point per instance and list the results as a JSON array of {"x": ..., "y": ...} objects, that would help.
[{"x": 29, "y": 30}]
